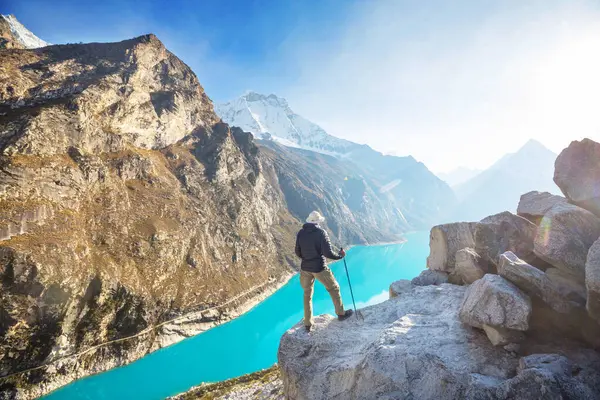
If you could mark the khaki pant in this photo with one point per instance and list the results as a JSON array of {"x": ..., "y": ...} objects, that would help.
[{"x": 307, "y": 281}]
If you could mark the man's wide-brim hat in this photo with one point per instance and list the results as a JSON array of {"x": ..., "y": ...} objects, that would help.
[{"x": 315, "y": 217}]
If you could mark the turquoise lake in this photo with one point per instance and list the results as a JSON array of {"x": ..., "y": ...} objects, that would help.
[{"x": 249, "y": 343}]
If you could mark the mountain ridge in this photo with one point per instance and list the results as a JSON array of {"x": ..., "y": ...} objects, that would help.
[
  {"x": 499, "y": 187},
  {"x": 458, "y": 175},
  {"x": 421, "y": 202},
  {"x": 14, "y": 35},
  {"x": 270, "y": 117}
]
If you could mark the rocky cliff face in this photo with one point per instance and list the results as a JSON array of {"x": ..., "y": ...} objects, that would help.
[
  {"x": 126, "y": 204},
  {"x": 524, "y": 327}
]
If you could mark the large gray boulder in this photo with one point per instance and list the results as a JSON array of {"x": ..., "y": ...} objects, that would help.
[
  {"x": 399, "y": 287},
  {"x": 496, "y": 302},
  {"x": 569, "y": 286},
  {"x": 413, "y": 346},
  {"x": 592, "y": 280},
  {"x": 551, "y": 376},
  {"x": 468, "y": 268},
  {"x": 534, "y": 205},
  {"x": 501, "y": 337},
  {"x": 430, "y": 277},
  {"x": 445, "y": 240},
  {"x": 565, "y": 236},
  {"x": 503, "y": 232},
  {"x": 533, "y": 282},
  {"x": 577, "y": 174}
]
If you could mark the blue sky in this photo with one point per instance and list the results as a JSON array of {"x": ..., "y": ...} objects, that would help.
[
  {"x": 450, "y": 82},
  {"x": 233, "y": 46}
]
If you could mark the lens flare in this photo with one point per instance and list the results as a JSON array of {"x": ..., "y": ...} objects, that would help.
[{"x": 544, "y": 230}]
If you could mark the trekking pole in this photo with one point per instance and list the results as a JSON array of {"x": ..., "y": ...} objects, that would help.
[{"x": 351, "y": 292}]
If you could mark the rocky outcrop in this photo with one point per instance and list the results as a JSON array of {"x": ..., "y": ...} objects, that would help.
[
  {"x": 564, "y": 237},
  {"x": 551, "y": 376},
  {"x": 468, "y": 250},
  {"x": 534, "y": 205},
  {"x": 414, "y": 346},
  {"x": 496, "y": 302},
  {"x": 532, "y": 311},
  {"x": 500, "y": 336},
  {"x": 592, "y": 280},
  {"x": 577, "y": 174},
  {"x": 503, "y": 232},
  {"x": 430, "y": 277},
  {"x": 445, "y": 240},
  {"x": 468, "y": 266},
  {"x": 569, "y": 286},
  {"x": 399, "y": 287},
  {"x": 534, "y": 282},
  {"x": 27, "y": 220}
]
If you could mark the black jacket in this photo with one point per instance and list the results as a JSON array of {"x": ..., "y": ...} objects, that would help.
[{"x": 312, "y": 246}]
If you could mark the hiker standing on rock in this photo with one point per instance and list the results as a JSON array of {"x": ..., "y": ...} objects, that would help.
[{"x": 313, "y": 246}]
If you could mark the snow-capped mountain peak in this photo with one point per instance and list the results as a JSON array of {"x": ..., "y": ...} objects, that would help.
[
  {"x": 19, "y": 34},
  {"x": 270, "y": 117}
]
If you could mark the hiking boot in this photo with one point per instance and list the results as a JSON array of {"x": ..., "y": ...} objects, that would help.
[
  {"x": 308, "y": 328},
  {"x": 346, "y": 315}
]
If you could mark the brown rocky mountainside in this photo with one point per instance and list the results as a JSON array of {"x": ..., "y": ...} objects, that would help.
[{"x": 125, "y": 203}]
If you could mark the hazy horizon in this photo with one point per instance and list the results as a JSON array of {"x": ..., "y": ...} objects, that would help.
[{"x": 453, "y": 85}]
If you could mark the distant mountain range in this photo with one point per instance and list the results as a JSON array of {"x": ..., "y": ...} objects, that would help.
[
  {"x": 422, "y": 197},
  {"x": 499, "y": 187},
  {"x": 415, "y": 198}
]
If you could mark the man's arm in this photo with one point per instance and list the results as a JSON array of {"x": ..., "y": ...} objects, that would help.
[
  {"x": 297, "y": 250},
  {"x": 327, "y": 249}
]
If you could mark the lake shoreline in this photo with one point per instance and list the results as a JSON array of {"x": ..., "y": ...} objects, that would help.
[
  {"x": 83, "y": 365},
  {"x": 386, "y": 262},
  {"x": 375, "y": 244}
]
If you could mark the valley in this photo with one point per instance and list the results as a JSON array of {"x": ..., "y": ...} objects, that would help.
[
  {"x": 147, "y": 234},
  {"x": 133, "y": 217}
]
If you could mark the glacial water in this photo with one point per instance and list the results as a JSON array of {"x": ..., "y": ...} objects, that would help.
[{"x": 249, "y": 343}]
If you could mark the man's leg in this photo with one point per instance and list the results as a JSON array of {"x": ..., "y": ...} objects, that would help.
[
  {"x": 307, "y": 281},
  {"x": 328, "y": 280}
]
